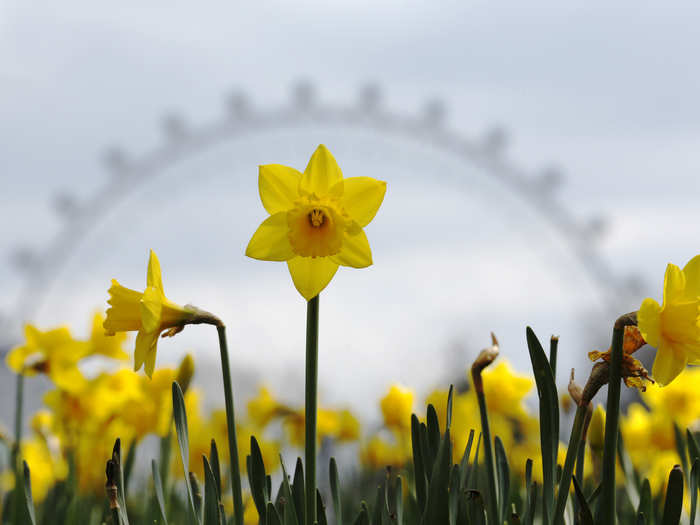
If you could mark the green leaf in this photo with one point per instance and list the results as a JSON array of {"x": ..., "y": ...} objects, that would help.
[
  {"x": 631, "y": 478},
  {"x": 474, "y": 473},
  {"x": 215, "y": 465},
  {"x": 585, "y": 514},
  {"x": 528, "y": 486},
  {"x": 117, "y": 457},
  {"x": 529, "y": 515},
  {"x": 257, "y": 479},
  {"x": 398, "y": 501},
  {"x": 436, "y": 510},
  {"x": 553, "y": 346},
  {"x": 335, "y": 492},
  {"x": 158, "y": 489},
  {"x": 448, "y": 415},
  {"x": 211, "y": 496},
  {"x": 693, "y": 486},
  {"x": 298, "y": 490},
  {"x": 289, "y": 513},
  {"x": 378, "y": 507},
  {"x": 433, "y": 426},
  {"x": 363, "y": 516},
  {"x": 129, "y": 464},
  {"x": 674, "y": 497},
  {"x": 464, "y": 463},
  {"x": 503, "y": 474},
  {"x": 197, "y": 496},
  {"x": 183, "y": 440},
  {"x": 320, "y": 510},
  {"x": 28, "y": 500},
  {"x": 549, "y": 418},
  {"x": 272, "y": 517},
  {"x": 476, "y": 508},
  {"x": 693, "y": 448},
  {"x": 646, "y": 503},
  {"x": 418, "y": 463},
  {"x": 454, "y": 493}
]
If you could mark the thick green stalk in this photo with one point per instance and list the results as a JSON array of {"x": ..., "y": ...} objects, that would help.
[
  {"x": 311, "y": 407},
  {"x": 19, "y": 484},
  {"x": 605, "y": 512},
  {"x": 568, "y": 470},
  {"x": 231, "y": 424},
  {"x": 492, "y": 495}
]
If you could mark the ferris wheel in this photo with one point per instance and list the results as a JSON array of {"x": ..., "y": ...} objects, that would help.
[{"x": 469, "y": 163}]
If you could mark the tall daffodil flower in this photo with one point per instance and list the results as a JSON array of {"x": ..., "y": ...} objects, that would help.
[
  {"x": 674, "y": 327},
  {"x": 150, "y": 313},
  {"x": 316, "y": 220}
]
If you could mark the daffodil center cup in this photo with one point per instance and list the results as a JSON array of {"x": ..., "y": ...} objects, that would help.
[{"x": 316, "y": 227}]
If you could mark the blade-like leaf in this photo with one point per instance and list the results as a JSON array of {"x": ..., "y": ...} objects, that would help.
[
  {"x": 693, "y": 486},
  {"x": 436, "y": 510},
  {"x": 298, "y": 491},
  {"x": 549, "y": 418},
  {"x": 378, "y": 507},
  {"x": 454, "y": 494},
  {"x": 464, "y": 463},
  {"x": 28, "y": 500},
  {"x": 257, "y": 479},
  {"x": 335, "y": 492},
  {"x": 529, "y": 516},
  {"x": 448, "y": 416},
  {"x": 183, "y": 440},
  {"x": 674, "y": 497},
  {"x": 117, "y": 457},
  {"x": 693, "y": 448},
  {"x": 503, "y": 475},
  {"x": 211, "y": 496},
  {"x": 418, "y": 462},
  {"x": 585, "y": 514},
  {"x": 289, "y": 513},
  {"x": 215, "y": 465},
  {"x": 272, "y": 517},
  {"x": 158, "y": 489},
  {"x": 363, "y": 516},
  {"x": 646, "y": 503},
  {"x": 320, "y": 510}
]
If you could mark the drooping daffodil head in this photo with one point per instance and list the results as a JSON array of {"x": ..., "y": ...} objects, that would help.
[
  {"x": 673, "y": 328},
  {"x": 316, "y": 220},
  {"x": 148, "y": 312}
]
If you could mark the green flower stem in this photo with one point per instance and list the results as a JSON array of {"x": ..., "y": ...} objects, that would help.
[
  {"x": 605, "y": 512},
  {"x": 492, "y": 495},
  {"x": 19, "y": 483},
  {"x": 568, "y": 470},
  {"x": 553, "y": 348},
  {"x": 311, "y": 407},
  {"x": 231, "y": 424}
]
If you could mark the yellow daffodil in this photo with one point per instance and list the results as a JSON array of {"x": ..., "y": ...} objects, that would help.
[
  {"x": 264, "y": 408},
  {"x": 673, "y": 328},
  {"x": 316, "y": 220},
  {"x": 679, "y": 400},
  {"x": 596, "y": 430},
  {"x": 150, "y": 312},
  {"x": 397, "y": 407},
  {"x": 53, "y": 352}
]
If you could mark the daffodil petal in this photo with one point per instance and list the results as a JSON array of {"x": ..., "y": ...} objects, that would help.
[
  {"x": 311, "y": 274},
  {"x": 674, "y": 284},
  {"x": 144, "y": 343},
  {"x": 18, "y": 356},
  {"x": 278, "y": 186},
  {"x": 692, "y": 278},
  {"x": 669, "y": 362},
  {"x": 270, "y": 241},
  {"x": 151, "y": 309},
  {"x": 150, "y": 363},
  {"x": 649, "y": 321},
  {"x": 355, "y": 251},
  {"x": 321, "y": 173},
  {"x": 153, "y": 277},
  {"x": 362, "y": 197}
]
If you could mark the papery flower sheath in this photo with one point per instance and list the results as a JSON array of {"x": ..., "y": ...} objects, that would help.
[
  {"x": 150, "y": 313},
  {"x": 316, "y": 220},
  {"x": 673, "y": 328}
]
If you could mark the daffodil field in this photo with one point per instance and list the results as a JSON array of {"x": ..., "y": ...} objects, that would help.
[{"x": 130, "y": 446}]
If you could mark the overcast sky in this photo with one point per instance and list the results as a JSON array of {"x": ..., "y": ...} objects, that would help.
[{"x": 606, "y": 92}]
